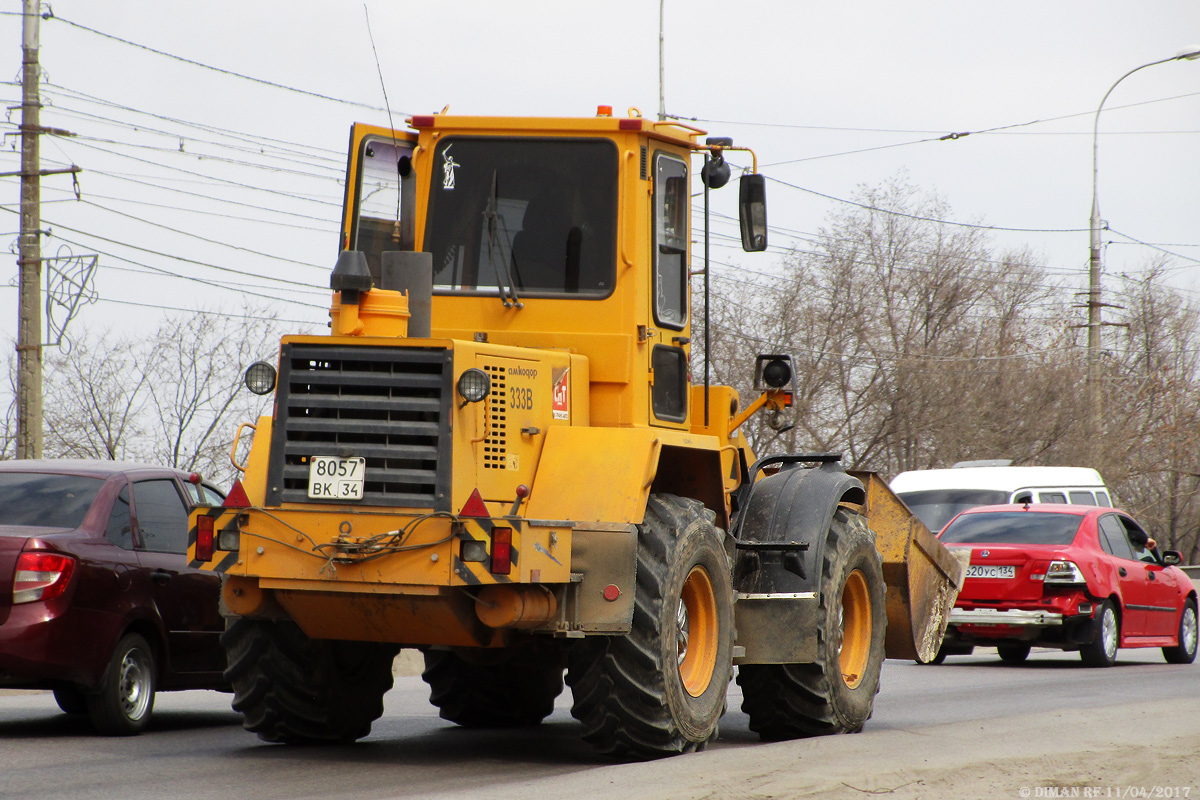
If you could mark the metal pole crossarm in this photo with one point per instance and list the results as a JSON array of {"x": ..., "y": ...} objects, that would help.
[{"x": 65, "y": 171}]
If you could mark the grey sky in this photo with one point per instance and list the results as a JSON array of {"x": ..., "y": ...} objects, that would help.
[{"x": 807, "y": 84}]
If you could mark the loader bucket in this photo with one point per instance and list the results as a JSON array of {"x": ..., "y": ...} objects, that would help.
[{"x": 923, "y": 578}]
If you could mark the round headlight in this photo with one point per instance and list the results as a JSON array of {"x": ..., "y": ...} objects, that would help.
[
  {"x": 474, "y": 385},
  {"x": 260, "y": 377}
]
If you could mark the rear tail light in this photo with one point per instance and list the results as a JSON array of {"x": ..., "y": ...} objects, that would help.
[
  {"x": 501, "y": 551},
  {"x": 41, "y": 576},
  {"x": 204, "y": 538},
  {"x": 1064, "y": 572}
]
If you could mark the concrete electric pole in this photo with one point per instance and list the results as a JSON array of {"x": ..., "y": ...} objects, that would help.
[{"x": 29, "y": 332}]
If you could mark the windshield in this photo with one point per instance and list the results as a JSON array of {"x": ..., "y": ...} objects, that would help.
[
  {"x": 937, "y": 507},
  {"x": 1012, "y": 527},
  {"x": 526, "y": 216},
  {"x": 50, "y": 501}
]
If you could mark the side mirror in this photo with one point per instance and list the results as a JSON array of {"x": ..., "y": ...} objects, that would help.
[
  {"x": 1172, "y": 557},
  {"x": 752, "y": 212}
]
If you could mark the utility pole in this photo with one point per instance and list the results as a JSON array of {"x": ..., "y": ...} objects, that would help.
[
  {"x": 662, "y": 103},
  {"x": 29, "y": 332},
  {"x": 1095, "y": 393}
]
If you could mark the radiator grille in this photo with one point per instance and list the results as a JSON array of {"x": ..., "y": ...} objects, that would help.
[
  {"x": 495, "y": 445},
  {"x": 389, "y": 405}
]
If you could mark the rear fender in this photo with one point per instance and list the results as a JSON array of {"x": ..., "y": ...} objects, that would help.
[
  {"x": 779, "y": 543},
  {"x": 794, "y": 507}
]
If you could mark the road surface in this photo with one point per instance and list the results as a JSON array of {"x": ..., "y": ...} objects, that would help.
[{"x": 971, "y": 727}]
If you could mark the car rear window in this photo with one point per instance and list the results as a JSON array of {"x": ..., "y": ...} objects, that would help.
[
  {"x": 936, "y": 507},
  {"x": 50, "y": 501},
  {"x": 1013, "y": 527}
]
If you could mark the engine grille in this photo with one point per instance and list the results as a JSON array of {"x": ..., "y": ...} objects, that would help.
[
  {"x": 389, "y": 405},
  {"x": 495, "y": 446}
]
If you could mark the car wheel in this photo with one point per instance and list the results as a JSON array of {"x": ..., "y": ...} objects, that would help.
[
  {"x": 70, "y": 699},
  {"x": 125, "y": 699},
  {"x": 1102, "y": 651},
  {"x": 1013, "y": 653},
  {"x": 1185, "y": 651}
]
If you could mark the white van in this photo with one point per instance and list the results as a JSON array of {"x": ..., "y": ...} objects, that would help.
[{"x": 936, "y": 495}]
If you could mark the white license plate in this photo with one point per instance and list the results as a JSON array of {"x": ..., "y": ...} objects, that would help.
[
  {"x": 990, "y": 571},
  {"x": 331, "y": 478}
]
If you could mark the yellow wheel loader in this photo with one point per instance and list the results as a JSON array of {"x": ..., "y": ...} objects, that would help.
[{"x": 498, "y": 456}]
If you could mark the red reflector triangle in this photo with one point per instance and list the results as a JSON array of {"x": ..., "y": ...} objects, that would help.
[
  {"x": 237, "y": 497},
  {"x": 474, "y": 506}
]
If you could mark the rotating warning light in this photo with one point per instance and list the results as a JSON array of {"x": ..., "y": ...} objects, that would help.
[{"x": 773, "y": 370}]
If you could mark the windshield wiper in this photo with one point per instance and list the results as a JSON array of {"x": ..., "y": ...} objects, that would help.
[{"x": 500, "y": 251}]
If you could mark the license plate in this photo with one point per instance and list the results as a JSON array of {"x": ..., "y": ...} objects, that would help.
[
  {"x": 331, "y": 478},
  {"x": 991, "y": 571}
]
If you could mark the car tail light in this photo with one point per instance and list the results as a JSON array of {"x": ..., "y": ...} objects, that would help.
[
  {"x": 41, "y": 576},
  {"x": 204, "y": 538},
  {"x": 1064, "y": 572},
  {"x": 501, "y": 551}
]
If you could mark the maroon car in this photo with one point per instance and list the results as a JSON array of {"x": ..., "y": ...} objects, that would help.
[
  {"x": 1077, "y": 578},
  {"x": 97, "y": 602}
]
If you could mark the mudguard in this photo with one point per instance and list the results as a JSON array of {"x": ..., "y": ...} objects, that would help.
[{"x": 779, "y": 538}]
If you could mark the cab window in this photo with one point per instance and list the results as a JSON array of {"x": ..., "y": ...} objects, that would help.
[
  {"x": 531, "y": 216},
  {"x": 384, "y": 200},
  {"x": 670, "y": 240}
]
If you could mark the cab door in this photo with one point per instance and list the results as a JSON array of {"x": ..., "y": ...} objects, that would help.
[
  {"x": 667, "y": 333},
  {"x": 379, "y": 213}
]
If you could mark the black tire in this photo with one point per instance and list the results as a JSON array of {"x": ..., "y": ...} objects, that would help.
[
  {"x": 1013, "y": 653},
  {"x": 1102, "y": 651},
  {"x": 515, "y": 690},
  {"x": 70, "y": 699},
  {"x": 1185, "y": 651},
  {"x": 660, "y": 689},
  {"x": 293, "y": 689},
  {"x": 125, "y": 699},
  {"x": 788, "y": 701}
]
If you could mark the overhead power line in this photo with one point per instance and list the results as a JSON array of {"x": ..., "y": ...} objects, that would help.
[
  {"x": 940, "y": 135},
  {"x": 920, "y": 218},
  {"x": 220, "y": 70}
]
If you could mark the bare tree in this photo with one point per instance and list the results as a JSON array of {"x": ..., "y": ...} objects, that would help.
[
  {"x": 95, "y": 396},
  {"x": 172, "y": 398},
  {"x": 196, "y": 394}
]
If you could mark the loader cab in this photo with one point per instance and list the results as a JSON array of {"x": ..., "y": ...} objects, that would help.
[{"x": 549, "y": 233}]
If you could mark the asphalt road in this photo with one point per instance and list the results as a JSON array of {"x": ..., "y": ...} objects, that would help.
[{"x": 197, "y": 749}]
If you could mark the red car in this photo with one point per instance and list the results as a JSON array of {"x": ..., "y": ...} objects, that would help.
[
  {"x": 96, "y": 600},
  {"x": 1072, "y": 577}
]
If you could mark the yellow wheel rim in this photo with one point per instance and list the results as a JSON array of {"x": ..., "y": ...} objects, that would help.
[
  {"x": 696, "y": 632},
  {"x": 856, "y": 629}
]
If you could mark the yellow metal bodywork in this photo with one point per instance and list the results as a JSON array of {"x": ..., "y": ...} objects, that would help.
[
  {"x": 545, "y": 476},
  {"x": 923, "y": 578}
]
